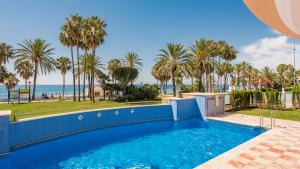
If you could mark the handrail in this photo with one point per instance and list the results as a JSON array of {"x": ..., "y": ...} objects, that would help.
[
  {"x": 261, "y": 121},
  {"x": 273, "y": 115}
]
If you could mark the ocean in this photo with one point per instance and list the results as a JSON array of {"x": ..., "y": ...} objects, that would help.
[
  {"x": 40, "y": 89},
  {"x": 55, "y": 89},
  {"x": 50, "y": 89}
]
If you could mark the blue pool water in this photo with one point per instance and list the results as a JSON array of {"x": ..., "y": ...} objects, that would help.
[{"x": 165, "y": 144}]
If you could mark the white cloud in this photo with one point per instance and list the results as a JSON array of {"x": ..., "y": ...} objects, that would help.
[{"x": 269, "y": 51}]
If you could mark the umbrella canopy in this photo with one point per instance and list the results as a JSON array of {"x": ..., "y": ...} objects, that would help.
[{"x": 282, "y": 15}]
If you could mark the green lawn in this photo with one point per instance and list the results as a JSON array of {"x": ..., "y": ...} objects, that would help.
[
  {"x": 26, "y": 110},
  {"x": 280, "y": 114}
]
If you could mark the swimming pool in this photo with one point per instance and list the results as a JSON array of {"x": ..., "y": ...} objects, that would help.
[{"x": 164, "y": 144}]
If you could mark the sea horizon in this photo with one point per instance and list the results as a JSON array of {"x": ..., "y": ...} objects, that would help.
[{"x": 52, "y": 89}]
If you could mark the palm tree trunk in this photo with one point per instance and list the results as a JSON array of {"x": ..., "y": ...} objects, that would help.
[
  {"x": 104, "y": 94},
  {"x": 63, "y": 91},
  {"x": 173, "y": 83},
  {"x": 213, "y": 75},
  {"x": 34, "y": 80},
  {"x": 225, "y": 81},
  {"x": 206, "y": 77},
  {"x": 89, "y": 86},
  {"x": 200, "y": 84},
  {"x": 219, "y": 78},
  {"x": 93, "y": 75},
  {"x": 26, "y": 84},
  {"x": 210, "y": 82},
  {"x": 238, "y": 81},
  {"x": 84, "y": 76},
  {"x": 78, "y": 73},
  {"x": 192, "y": 82},
  {"x": 73, "y": 72},
  {"x": 166, "y": 87},
  {"x": 249, "y": 79},
  {"x": 84, "y": 73},
  {"x": 161, "y": 87}
]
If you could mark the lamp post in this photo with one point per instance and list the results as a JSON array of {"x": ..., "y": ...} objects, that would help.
[{"x": 29, "y": 92}]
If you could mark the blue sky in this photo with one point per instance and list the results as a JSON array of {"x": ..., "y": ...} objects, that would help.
[{"x": 142, "y": 26}]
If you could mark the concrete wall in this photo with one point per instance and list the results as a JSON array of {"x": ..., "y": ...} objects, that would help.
[{"x": 185, "y": 108}]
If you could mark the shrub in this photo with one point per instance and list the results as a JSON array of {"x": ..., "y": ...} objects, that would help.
[
  {"x": 296, "y": 96},
  {"x": 145, "y": 92},
  {"x": 240, "y": 98},
  {"x": 272, "y": 97},
  {"x": 258, "y": 97}
]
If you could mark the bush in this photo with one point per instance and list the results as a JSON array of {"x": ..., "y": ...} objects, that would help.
[
  {"x": 258, "y": 97},
  {"x": 272, "y": 97},
  {"x": 296, "y": 96},
  {"x": 145, "y": 92},
  {"x": 243, "y": 98},
  {"x": 240, "y": 98}
]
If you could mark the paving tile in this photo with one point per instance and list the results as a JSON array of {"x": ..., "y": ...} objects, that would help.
[
  {"x": 236, "y": 164},
  {"x": 256, "y": 149},
  {"x": 274, "y": 150},
  {"x": 247, "y": 156}
]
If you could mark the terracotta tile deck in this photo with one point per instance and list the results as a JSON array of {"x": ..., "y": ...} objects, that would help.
[{"x": 277, "y": 148}]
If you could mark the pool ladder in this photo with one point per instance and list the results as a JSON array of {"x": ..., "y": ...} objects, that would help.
[{"x": 272, "y": 118}]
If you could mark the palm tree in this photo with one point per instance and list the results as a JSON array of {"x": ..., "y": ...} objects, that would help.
[
  {"x": 228, "y": 53},
  {"x": 221, "y": 70},
  {"x": 89, "y": 62},
  {"x": 124, "y": 75},
  {"x": 93, "y": 34},
  {"x": 38, "y": 53},
  {"x": 283, "y": 72},
  {"x": 220, "y": 47},
  {"x": 176, "y": 57},
  {"x": 25, "y": 70},
  {"x": 112, "y": 66},
  {"x": 75, "y": 24},
  {"x": 85, "y": 48},
  {"x": 162, "y": 74},
  {"x": 6, "y": 52},
  {"x": 268, "y": 73},
  {"x": 102, "y": 79},
  {"x": 64, "y": 65},
  {"x": 228, "y": 69},
  {"x": 250, "y": 73},
  {"x": 3, "y": 73},
  {"x": 238, "y": 70},
  {"x": 132, "y": 60},
  {"x": 199, "y": 55},
  {"x": 66, "y": 39},
  {"x": 10, "y": 81},
  {"x": 208, "y": 67},
  {"x": 189, "y": 71}
]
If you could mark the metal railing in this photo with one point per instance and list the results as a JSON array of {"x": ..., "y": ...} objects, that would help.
[{"x": 272, "y": 120}]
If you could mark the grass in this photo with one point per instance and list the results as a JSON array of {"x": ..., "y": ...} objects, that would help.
[
  {"x": 34, "y": 109},
  {"x": 293, "y": 115}
]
